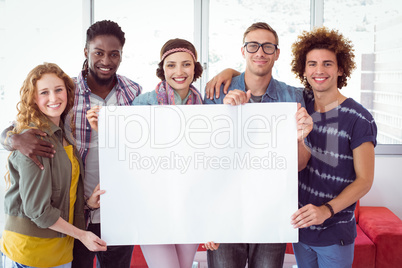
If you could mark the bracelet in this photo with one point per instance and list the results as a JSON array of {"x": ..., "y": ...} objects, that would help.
[
  {"x": 330, "y": 209},
  {"x": 88, "y": 206}
]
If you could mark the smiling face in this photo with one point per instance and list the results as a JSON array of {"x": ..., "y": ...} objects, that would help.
[
  {"x": 322, "y": 70},
  {"x": 179, "y": 71},
  {"x": 51, "y": 96},
  {"x": 104, "y": 54},
  {"x": 259, "y": 63}
]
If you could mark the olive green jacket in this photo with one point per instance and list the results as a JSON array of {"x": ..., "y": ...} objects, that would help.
[{"x": 37, "y": 198}]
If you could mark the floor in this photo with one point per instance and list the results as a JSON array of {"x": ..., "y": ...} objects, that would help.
[{"x": 200, "y": 260}]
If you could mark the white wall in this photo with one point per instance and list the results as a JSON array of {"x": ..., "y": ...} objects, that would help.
[
  {"x": 3, "y": 162},
  {"x": 387, "y": 187}
]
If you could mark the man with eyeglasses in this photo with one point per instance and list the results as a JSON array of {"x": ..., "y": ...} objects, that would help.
[
  {"x": 261, "y": 50},
  {"x": 256, "y": 85}
]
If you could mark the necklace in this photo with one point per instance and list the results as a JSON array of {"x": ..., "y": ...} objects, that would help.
[
  {"x": 86, "y": 79},
  {"x": 95, "y": 81}
]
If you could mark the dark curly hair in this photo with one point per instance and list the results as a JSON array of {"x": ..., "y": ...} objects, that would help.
[
  {"x": 323, "y": 38},
  {"x": 178, "y": 43},
  {"x": 105, "y": 27}
]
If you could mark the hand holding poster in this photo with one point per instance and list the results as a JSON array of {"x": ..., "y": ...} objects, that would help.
[{"x": 192, "y": 174}]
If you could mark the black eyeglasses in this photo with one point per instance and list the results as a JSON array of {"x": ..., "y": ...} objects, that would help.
[{"x": 253, "y": 47}]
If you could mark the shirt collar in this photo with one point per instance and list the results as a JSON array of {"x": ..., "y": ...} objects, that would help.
[
  {"x": 53, "y": 129},
  {"x": 271, "y": 91},
  {"x": 85, "y": 88},
  {"x": 177, "y": 98}
]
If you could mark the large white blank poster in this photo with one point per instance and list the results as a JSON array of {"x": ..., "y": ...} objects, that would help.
[{"x": 198, "y": 173}]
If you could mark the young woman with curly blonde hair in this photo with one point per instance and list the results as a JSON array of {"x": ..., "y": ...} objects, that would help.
[{"x": 45, "y": 208}]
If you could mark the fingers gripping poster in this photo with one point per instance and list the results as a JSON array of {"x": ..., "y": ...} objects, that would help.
[{"x": 198, "y": 173}]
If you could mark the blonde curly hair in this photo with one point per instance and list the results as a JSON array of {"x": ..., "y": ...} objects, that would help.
[
  {"x": 28, "y": 111},
  {"x": 29, "y": 115}
]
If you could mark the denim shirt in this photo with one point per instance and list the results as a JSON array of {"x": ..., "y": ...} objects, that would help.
[
  {"x": 150, "y": 98},
  {"x": 276, "y": 92}
]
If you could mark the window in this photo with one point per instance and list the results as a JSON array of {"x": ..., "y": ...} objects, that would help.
[
  {"x": 226, "y": 29},
  {"x": 54, "y": 31},
  {"x": 30, "y": 34},
  {"x": 36, "y": 33},
  {"x": 374, "y": 28},
  {"x": 147, "y": 26}
]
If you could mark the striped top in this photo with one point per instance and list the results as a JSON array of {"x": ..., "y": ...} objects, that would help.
[
  {"x": 335, "y": 135},
  {"x": 126, "y": 91}
]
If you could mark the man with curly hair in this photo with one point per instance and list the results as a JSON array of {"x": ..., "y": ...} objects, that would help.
[{"x": 341, "y": 168}]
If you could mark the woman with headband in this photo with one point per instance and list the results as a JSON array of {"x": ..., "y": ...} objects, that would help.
[{"x": 178, "y": 69}]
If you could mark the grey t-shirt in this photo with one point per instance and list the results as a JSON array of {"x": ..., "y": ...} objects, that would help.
[
  {"x": 92, "y": 160},
  {"x": 254, "y": 99}
]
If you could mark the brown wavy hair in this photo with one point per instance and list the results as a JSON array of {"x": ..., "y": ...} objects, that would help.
[
  {"x": 262, "y": 26},
  {"x": 323, "y": 38},
  {"x": 28, "y": 111},
  {"x": 179, "y": 43}
]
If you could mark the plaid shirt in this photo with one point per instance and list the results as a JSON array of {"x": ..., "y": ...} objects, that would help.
[{"x": 126, "y": 91}]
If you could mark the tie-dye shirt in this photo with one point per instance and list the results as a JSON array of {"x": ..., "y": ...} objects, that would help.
[{"x": 330, "y": 169}]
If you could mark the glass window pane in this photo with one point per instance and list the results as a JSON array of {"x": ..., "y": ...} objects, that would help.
[
  {"x": 374, "y": 28},
  {"x": 147, "y": 26},
  {"x": 230, "y": 19},
  {"x": 33, "y": 32}
]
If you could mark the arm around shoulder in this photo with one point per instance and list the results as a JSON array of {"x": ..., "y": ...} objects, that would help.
[
  {"x": 6, "y": 141},
  {"x": 148, "y": 98},
  {"x": 28, "y": 144},
  {"x": 219, "y": 84}
]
